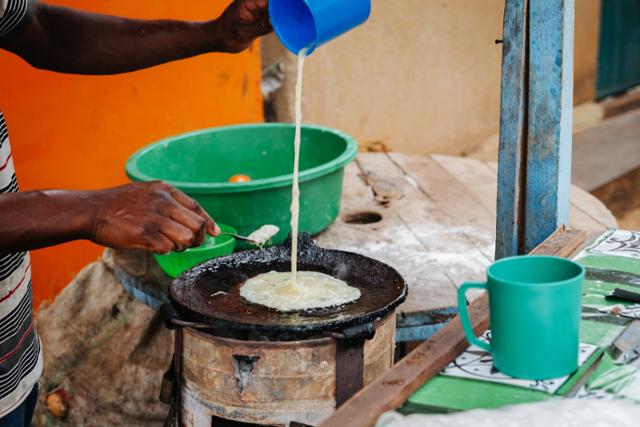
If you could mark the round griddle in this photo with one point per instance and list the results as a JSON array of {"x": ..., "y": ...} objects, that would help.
[{"x": 210, "y": 292}]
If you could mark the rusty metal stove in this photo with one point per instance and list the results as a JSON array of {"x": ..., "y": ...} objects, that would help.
[{"x": 241, "y": 364}]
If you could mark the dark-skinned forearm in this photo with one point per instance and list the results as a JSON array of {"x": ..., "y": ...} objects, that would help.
[
  {"x": 72, "y": 41},
  {"x": 37, "y": 219}
]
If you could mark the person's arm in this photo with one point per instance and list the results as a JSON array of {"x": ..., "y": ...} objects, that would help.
[
  {"x": 71, "y": 41},
  {"x": 152, "y": 216}
]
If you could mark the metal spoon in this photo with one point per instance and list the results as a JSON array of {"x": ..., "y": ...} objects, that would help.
[
  {"x": 266, "y": 232},
  {"x": 241, "y": 238}
]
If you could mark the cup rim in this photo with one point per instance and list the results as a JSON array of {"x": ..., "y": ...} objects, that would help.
[
  {"x": 283, "y": 36},
  {"x": 492, "y": 276}
]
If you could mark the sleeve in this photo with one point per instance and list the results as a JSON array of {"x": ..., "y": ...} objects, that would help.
[{"x": 15, "y": 15}]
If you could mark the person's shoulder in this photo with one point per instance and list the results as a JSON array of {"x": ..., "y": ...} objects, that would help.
[
  {"x": 15, "y": 15},
  {"x": 8, "y": 7}
]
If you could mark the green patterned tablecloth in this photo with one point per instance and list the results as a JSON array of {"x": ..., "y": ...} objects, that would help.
[{"x": 612, "y": 261}]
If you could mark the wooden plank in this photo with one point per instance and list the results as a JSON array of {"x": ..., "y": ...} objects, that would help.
[
  {"x": 446, "y": 253},
  {"x": 563, "y": 242},
  {"x": 513, "y": 127},
  {"x": 479, "y": 179},
  {"x": 606, "y": 152},
  {"x": 621, "y": 195},
  {"x": 581, "y": 220},
  {"x": 451, "y": 246},
  {"x": 391, "y": 241},
  {"x": 454, "y": 199},
  {"x": 594, "y": 207},
  {"x": 549, "y": 137},
  {"x": 391, "y": 390},
  {"x": 621, "y": 104},
  {"x": 481, "y": 182},
  {"x": 586, "y": 213},
  {"x": 356, "y": 196}
]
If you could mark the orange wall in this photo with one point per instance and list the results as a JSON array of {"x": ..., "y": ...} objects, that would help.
[{"x": 76, "y": 132}]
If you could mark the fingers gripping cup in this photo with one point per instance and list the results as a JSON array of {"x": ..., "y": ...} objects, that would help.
[
  {"x": 534, "y": 311},
  {"x": 309, "y": 24}
]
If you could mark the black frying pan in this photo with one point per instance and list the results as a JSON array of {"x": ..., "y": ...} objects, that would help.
[{"x": 209, "y": 293}]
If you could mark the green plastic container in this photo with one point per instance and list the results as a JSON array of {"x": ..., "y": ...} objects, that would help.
[
  {"x": 201, "y": 163},
  {"x": 176, "y": 263}
]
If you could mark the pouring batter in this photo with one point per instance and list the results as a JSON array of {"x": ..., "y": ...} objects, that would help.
[
  {"x": 295, "y": 191},
  {"x": 305, "y": 290}
]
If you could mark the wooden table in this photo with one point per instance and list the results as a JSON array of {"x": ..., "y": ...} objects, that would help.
[{"x": 437, "y": 227}]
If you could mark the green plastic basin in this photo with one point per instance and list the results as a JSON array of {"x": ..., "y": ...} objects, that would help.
[{"x": 201, "y": 163}]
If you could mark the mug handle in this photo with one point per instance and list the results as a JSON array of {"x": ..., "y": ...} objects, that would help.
[{"x": 464, "y": 314}]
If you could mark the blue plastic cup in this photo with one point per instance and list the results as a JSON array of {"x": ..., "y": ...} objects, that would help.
[{"x": 308, "y": 24}]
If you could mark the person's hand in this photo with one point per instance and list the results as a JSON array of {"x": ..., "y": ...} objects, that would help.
[
  {"x": 152, "y": 216},
  {"x": 241, "y": 23}
]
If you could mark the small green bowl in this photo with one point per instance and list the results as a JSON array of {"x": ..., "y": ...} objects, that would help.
[{"x": 176, "y": 263}]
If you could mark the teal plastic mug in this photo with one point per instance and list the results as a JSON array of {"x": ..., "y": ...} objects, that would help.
[{"x": 534, "y": 310}]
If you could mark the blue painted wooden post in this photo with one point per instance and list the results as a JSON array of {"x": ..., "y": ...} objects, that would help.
[
  {"x": 512, "y": 127},
  {"x": 535, "y": 124},
  {"x": 548, "y": 191}
]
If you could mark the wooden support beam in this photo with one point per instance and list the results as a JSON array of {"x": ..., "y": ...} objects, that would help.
[
  {"x": 513, "y": 127},
  {"x": 535, "y": 125},
  {"x": 548, "y": 181},
  {"x": 392, "y": 389}
]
